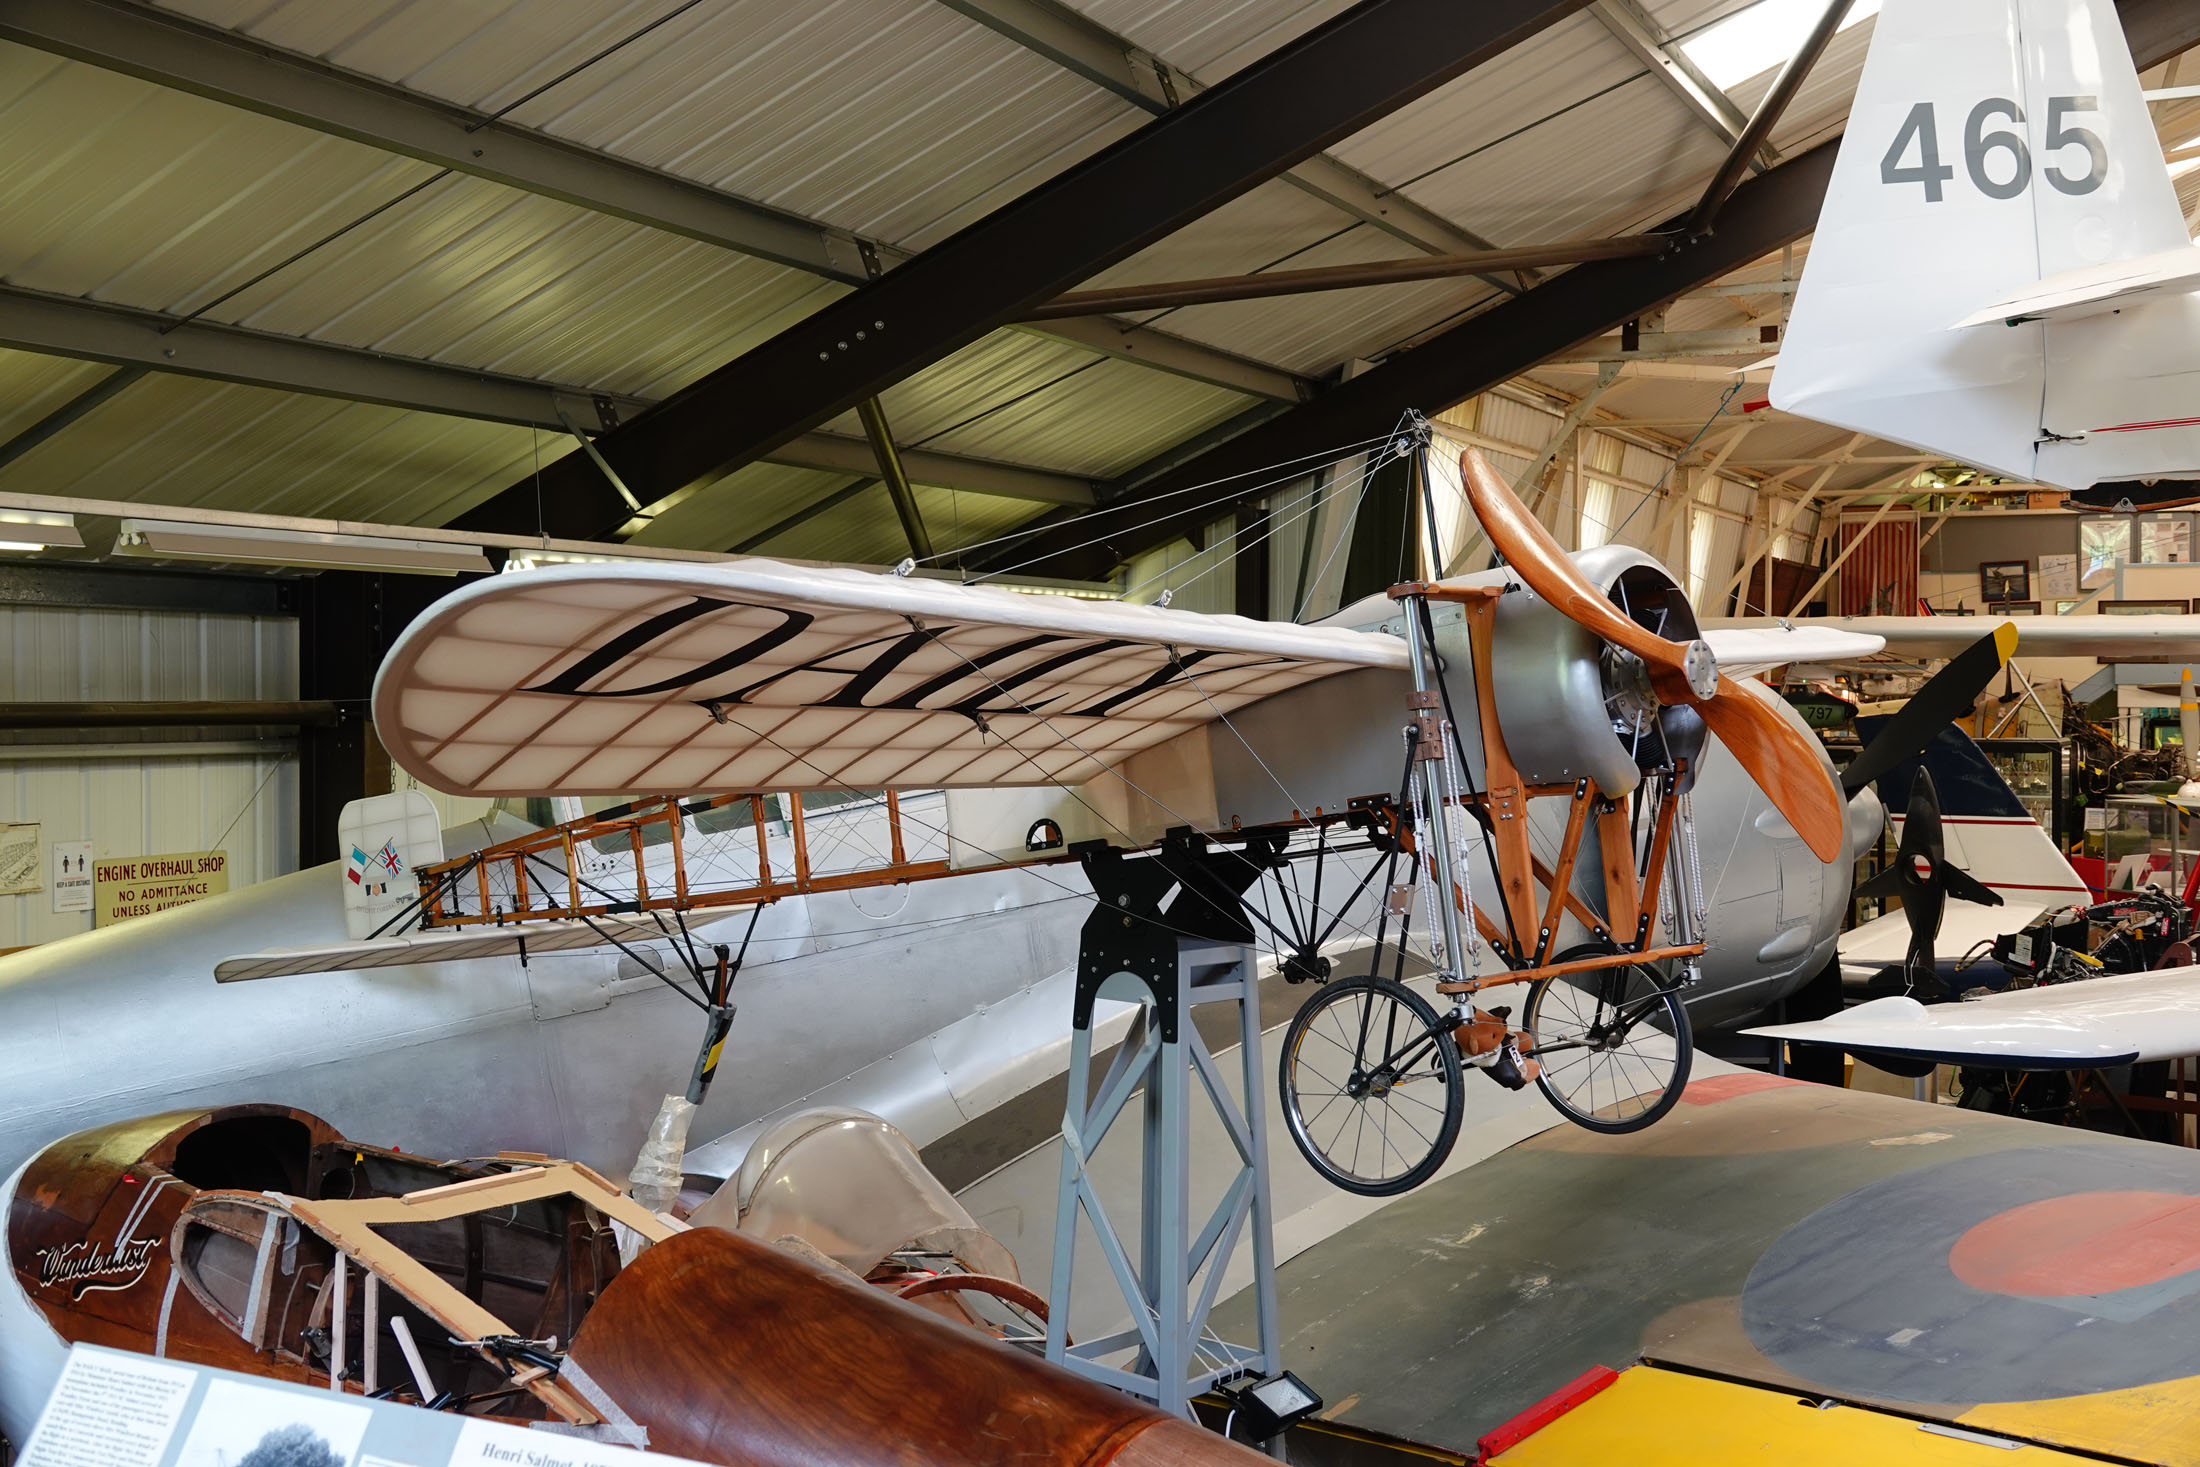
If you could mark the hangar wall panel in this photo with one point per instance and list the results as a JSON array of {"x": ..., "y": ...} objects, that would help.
[{"x": 138, "y": 792}]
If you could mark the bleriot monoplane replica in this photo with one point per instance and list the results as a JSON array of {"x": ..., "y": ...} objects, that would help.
[{"x": 1527, "y": 765}]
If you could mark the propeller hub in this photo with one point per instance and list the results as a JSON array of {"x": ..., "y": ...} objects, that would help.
[{"x": 1700, "y": 668}]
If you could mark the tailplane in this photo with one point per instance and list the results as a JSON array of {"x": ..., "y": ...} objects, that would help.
[{"x": 2001, "y": 272}]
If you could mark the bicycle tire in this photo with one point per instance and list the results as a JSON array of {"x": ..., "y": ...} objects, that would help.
[
  {"x": 1642, "y": 1076},
  {"x": 1327, "y": 1035}
]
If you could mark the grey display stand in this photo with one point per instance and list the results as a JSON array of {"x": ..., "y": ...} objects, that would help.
[{"x": 1171, "y": 1286}]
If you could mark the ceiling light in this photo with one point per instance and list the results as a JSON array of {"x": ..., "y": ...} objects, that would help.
[
  {"x": 1765, "y": 35},
  {"x": 299, "y": 549},
  {"x": 527, "y": 560},
  {"x": 31, "y": 530}
]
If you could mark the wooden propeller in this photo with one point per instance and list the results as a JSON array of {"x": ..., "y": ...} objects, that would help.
[{"x": 1781, "y": 757}]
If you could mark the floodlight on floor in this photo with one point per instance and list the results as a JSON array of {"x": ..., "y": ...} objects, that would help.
[{"x": 297, "y": 549}]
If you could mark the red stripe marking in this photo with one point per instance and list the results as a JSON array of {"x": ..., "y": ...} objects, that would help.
[
  {"x": 2143, "y": 427},
  {"x": 2024, "y": 886},
  {"x": 2090, "y": 1243},
  {"x": 1581, "y": 1388},
  {"x": 1727, "y": 1087}
]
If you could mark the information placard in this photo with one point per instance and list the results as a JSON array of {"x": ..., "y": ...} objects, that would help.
[
  {"x": 71, "y": 879},
  {"x": 112, "y": 1408},
  {"x": 136, "y": 886}
]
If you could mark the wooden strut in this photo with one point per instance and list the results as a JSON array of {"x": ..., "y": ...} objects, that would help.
[
  {"x": 560, "y": 848},
  {"x": 1631, "y": 898}
]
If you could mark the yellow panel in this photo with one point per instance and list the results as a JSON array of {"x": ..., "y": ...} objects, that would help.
[
  {"x": 2150, "y": 1423},
  {"x": 1652, "y": 1418}
]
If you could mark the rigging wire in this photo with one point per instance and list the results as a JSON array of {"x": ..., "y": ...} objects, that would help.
[{"x": 1311, "y": 462}]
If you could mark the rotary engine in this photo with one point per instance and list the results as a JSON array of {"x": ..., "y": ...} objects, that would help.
[{"x": 1574, "y": 706}]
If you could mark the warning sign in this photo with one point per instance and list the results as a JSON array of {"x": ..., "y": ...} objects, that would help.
[{"x": 137, "y": 885}]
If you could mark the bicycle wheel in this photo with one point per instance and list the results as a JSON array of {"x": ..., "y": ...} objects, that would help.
[
  {"x": 1613, "y": 1043},
  {"x": 1372, "y": 1092}
]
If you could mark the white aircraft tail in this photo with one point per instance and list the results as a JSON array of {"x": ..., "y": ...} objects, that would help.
[
  {"x": 2001, "y": 272},
  {"x": 385, "y": 839}
]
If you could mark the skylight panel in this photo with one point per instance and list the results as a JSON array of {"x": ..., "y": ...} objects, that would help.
[{"x": 1760, "y": 38}]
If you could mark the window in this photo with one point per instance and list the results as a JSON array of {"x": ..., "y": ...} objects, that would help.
[
  {"x": 2104, "y": 547},
  {"x": 1596, "y": 513},
  {"x": 1765, "y": 35}
]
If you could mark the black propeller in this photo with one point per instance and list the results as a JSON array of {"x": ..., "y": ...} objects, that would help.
[
  {"x": 1948, "y": 695},
  {"x": 1923, "y": 879}
]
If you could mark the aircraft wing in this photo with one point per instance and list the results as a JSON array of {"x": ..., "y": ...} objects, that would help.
[
  {"x": 448, "y": 945},
  {"x": 2094, "y": 290},
  {"x": 2117, "y": 1020},
  {"x": 1745, "y": 649},
  {"x": 751, "y": 674},
  {"x": 2125, "y": 638}
]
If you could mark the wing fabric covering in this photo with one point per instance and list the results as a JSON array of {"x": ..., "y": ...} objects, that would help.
[
  {"x": 1748, "y": 651},
  {"x": 752, "y": 675}
]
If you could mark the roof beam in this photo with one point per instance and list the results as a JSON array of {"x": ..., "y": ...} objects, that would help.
[
  {"x": 1633, "y": 28},
  {"x": 171, "y": 50},
  {"x": 1325, "y": 86},
  {"x": 1766, "y": 213},
  {"x": 175, "y": 51},
  {"x": 90, "y": 331},
  {"x": 1472, "y": 357},
  {"x": 1078, "y": 43}
]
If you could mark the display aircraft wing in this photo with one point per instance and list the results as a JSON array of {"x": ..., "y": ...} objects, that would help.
[
  {"x": 448, "y": 945},
  {"x": 2124, "y": 638},
  {"x": 2086, "y": 1025},
  {"x": 1743, "y": 651},
  {"x": 755, "y": 675}
]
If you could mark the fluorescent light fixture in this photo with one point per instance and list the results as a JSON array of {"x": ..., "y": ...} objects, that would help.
[
  {"x": 32, "y": 530},
  {"x": 1765, "y": 35},
  {"x": 527, "y": 560},
  {"x": 299, "y": 549}
]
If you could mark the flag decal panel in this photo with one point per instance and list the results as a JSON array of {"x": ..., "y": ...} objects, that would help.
[{"x": 611, "y": 679}]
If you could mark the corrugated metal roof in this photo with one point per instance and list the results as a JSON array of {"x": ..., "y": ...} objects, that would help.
[
  {"x": 1277, "y": 226},
  {"x": 32, "y": 386},
  {"x": 1212, "y": 38},
  {"x": 181, "y": 441},
  {"x": 900, "y": 120}
]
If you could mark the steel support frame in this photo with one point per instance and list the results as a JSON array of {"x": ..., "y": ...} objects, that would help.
[
  {"x": 135, "y": 339},
  {"x": 1076, "y": 42},
  {"x": 1173, "y": 1285},
  {"x": 1315, "y": 91},
  {"x": 1764, "y": 214},
  {"x": 176, "y": 51},
  {"x": 1591, "y": 300}
]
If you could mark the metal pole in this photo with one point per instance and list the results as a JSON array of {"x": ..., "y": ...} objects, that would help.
[
  {"x": 896, "y": 477},
  {"x": 1784, "y": 88},
  {"x": 1438, "y": 836},
  {"x": 1176, "y": 294}
]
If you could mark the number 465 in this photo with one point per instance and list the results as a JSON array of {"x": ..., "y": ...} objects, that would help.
[{"x": 1979, "y": 142}]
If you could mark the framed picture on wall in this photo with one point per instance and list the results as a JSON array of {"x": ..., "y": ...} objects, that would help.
[
  {"x": 2143, "y": 608},
  {"x": 2062, "y": 608},
  {"x": 2013, "y": 608},
  {"x": 2005, "y": 580}
]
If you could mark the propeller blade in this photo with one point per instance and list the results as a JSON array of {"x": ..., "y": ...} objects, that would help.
[
  {"x": 1948, "y": 695},
  {"x": 1923, "y": 892},
  {"x": 1965, "y": 887},
  {"x": 1681, "y": 672},
  {"x": 1784, "y": 760}
]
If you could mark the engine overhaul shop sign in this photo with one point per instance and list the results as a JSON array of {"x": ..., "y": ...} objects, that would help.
[{"x": 133, "y": 886}]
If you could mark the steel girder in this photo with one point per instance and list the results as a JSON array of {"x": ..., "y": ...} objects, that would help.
[
  {"x": 1319, "y": 89},
  {"x": 1766, "y": 213}
]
